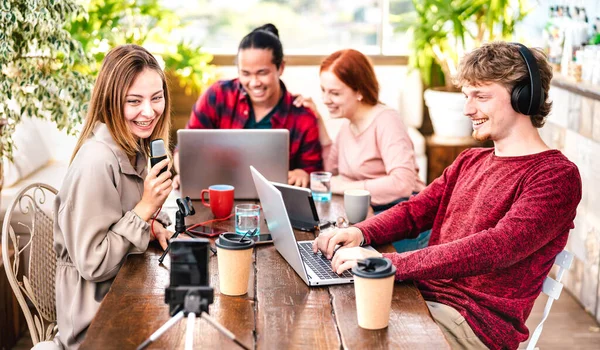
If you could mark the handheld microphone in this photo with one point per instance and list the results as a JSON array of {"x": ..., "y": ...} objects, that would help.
[{"x": 158, "y": 154}]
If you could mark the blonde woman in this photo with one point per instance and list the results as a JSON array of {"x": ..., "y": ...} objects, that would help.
[{"x": 104, "y": 208}]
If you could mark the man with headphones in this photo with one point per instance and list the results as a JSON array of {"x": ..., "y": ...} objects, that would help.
[{"x": 498, "y": 216}]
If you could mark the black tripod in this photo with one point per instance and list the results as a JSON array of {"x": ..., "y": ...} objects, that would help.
[
  {"x": 195, "y": 302},
  {"x": 188, "y": 293},
  {"x": 185, "y": 209}
]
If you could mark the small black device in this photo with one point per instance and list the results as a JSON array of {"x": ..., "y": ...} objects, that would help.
[
  {"x": 185, "y": 206},
  {"x": 262, "y": 239},
  {"x": 189, "y": 269},
  {"x": 300, "y": 207},
  {"x": 188, "y": 293},
  {"x": 158, "y": 153},
  {"x": 205, "y": 231},
  {"x": 528, "y": 96},
  {"x": 185, "y": 209},
  {"x": 189, "y": 262}
]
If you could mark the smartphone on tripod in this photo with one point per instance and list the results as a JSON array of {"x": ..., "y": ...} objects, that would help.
[{"x": 189, "y": 263}]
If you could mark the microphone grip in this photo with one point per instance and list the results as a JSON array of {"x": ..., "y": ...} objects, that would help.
[{"x": 156, "y": 160}]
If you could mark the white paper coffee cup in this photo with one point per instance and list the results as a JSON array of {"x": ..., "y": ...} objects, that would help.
[
  {"x": 235, "y": 260},
  {"x": 373, "y": 287}
]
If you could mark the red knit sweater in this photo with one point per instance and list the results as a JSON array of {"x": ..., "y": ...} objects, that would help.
[{"x": 497, "y": 224}]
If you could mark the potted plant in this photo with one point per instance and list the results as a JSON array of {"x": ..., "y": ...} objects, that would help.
[
  {"x": 37, "y": 60},
  {"x": 443, "y": 31}
]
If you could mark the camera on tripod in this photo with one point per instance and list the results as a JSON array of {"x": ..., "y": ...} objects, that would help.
[
  {"x": 188, "y": 290},
  {"x": 188, "y": 293},
  {"x": 189, "y": 277}
]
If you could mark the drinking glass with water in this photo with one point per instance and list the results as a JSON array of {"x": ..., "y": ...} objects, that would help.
[
  {"x": 320, "y": 185},
  {"x": 247, "y": 217}
]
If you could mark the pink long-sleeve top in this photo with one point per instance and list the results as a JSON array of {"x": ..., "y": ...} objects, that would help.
[{"x": 380, "y": 159}]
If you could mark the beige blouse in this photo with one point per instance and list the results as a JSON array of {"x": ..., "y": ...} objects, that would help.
[{"x": 94, "y": 230}]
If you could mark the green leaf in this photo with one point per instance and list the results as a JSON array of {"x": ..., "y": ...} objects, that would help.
[
  {"x": 454, "y": 26},
  {"x": 34, "y": 51}
]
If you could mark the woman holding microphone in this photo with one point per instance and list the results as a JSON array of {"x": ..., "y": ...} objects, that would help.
[{"x": 106, "y": 203}]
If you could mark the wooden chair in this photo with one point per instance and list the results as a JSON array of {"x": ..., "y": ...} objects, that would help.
[
  {"x": 34, "y": 287},
  {"x": 552, "y": 288}
]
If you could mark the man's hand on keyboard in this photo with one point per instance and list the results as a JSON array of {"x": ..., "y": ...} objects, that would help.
[
  {"x": 345, "y": 258},
  {"x": 346, "y": 237}
]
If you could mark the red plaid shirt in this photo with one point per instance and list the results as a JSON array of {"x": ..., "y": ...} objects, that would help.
[{"x": 226, "y": 105}]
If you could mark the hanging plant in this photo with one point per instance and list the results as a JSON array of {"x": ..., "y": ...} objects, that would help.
[{"x": 38, "y": 57}]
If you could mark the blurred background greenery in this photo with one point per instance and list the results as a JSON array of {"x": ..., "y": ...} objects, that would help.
[
  {"x": 315, "y": 27},
  {"x": 51, "y": 51},
  {"x": 108, "y": 23}
]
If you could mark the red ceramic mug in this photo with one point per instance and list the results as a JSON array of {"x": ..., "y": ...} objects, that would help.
[{"x": 220, "y": 200}]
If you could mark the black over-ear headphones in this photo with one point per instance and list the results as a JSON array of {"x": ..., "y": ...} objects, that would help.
[{"x": 527, "y": 96}]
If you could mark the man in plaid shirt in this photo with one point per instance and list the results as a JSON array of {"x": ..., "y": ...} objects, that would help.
[{"x": 258, "y": 99}]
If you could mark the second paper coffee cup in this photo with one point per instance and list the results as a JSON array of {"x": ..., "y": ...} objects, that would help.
[
  {"x": 235, "y": 259},
  {"x": 373, "y": 287}
]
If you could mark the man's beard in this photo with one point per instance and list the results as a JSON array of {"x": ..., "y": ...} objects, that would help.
[{"x": 480, "y": 138}]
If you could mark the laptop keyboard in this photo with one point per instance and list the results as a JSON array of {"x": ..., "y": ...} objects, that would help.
[{"x": 319, "y": 263}]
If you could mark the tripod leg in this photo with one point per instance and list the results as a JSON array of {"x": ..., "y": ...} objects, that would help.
[
  {"x": 223, "y": 330},
  {"x": 161, "y": 330},
  {"x": 189, "y": 332},
  {"x": 162, "y": 257}
]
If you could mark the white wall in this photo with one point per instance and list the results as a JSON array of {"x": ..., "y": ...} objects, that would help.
[{"x": 573, "y": 127}]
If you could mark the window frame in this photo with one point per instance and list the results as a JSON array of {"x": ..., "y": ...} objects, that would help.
[{"x": 222, "y": 57}]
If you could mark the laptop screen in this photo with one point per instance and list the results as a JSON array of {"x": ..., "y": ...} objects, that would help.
[{"x": 210, "y": 157}]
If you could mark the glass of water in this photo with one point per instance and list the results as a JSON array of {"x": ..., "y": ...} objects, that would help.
[
  {"x": 320, "y": 185},
  {"x": 247, "y": 217}
]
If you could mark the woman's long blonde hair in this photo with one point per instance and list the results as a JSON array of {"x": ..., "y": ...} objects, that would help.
[{"x": 120, "y": 68}]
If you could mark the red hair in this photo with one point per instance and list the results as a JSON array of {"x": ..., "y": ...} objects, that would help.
[{"x": 355, "y": 70}]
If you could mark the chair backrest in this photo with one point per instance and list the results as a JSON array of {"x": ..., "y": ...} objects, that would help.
[
  {"x": 552, "y": 288},
  {"x": 33, "y": 283}
]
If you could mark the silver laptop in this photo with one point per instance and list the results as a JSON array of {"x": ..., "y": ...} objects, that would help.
[
  {"x": 314, "y": 269},
  {"x": 216, "y": 156}
]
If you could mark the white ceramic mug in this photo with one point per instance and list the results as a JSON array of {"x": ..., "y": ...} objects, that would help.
[{"x": 356, "y": 204}]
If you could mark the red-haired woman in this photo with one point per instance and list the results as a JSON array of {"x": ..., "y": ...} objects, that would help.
[{"x": 372, "y": 150}]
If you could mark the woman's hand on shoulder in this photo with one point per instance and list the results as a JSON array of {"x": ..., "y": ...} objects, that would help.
[{"x": 307, "y": 102}]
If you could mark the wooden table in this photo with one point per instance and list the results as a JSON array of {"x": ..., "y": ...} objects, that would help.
[{"x": 279, "y": 312}]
